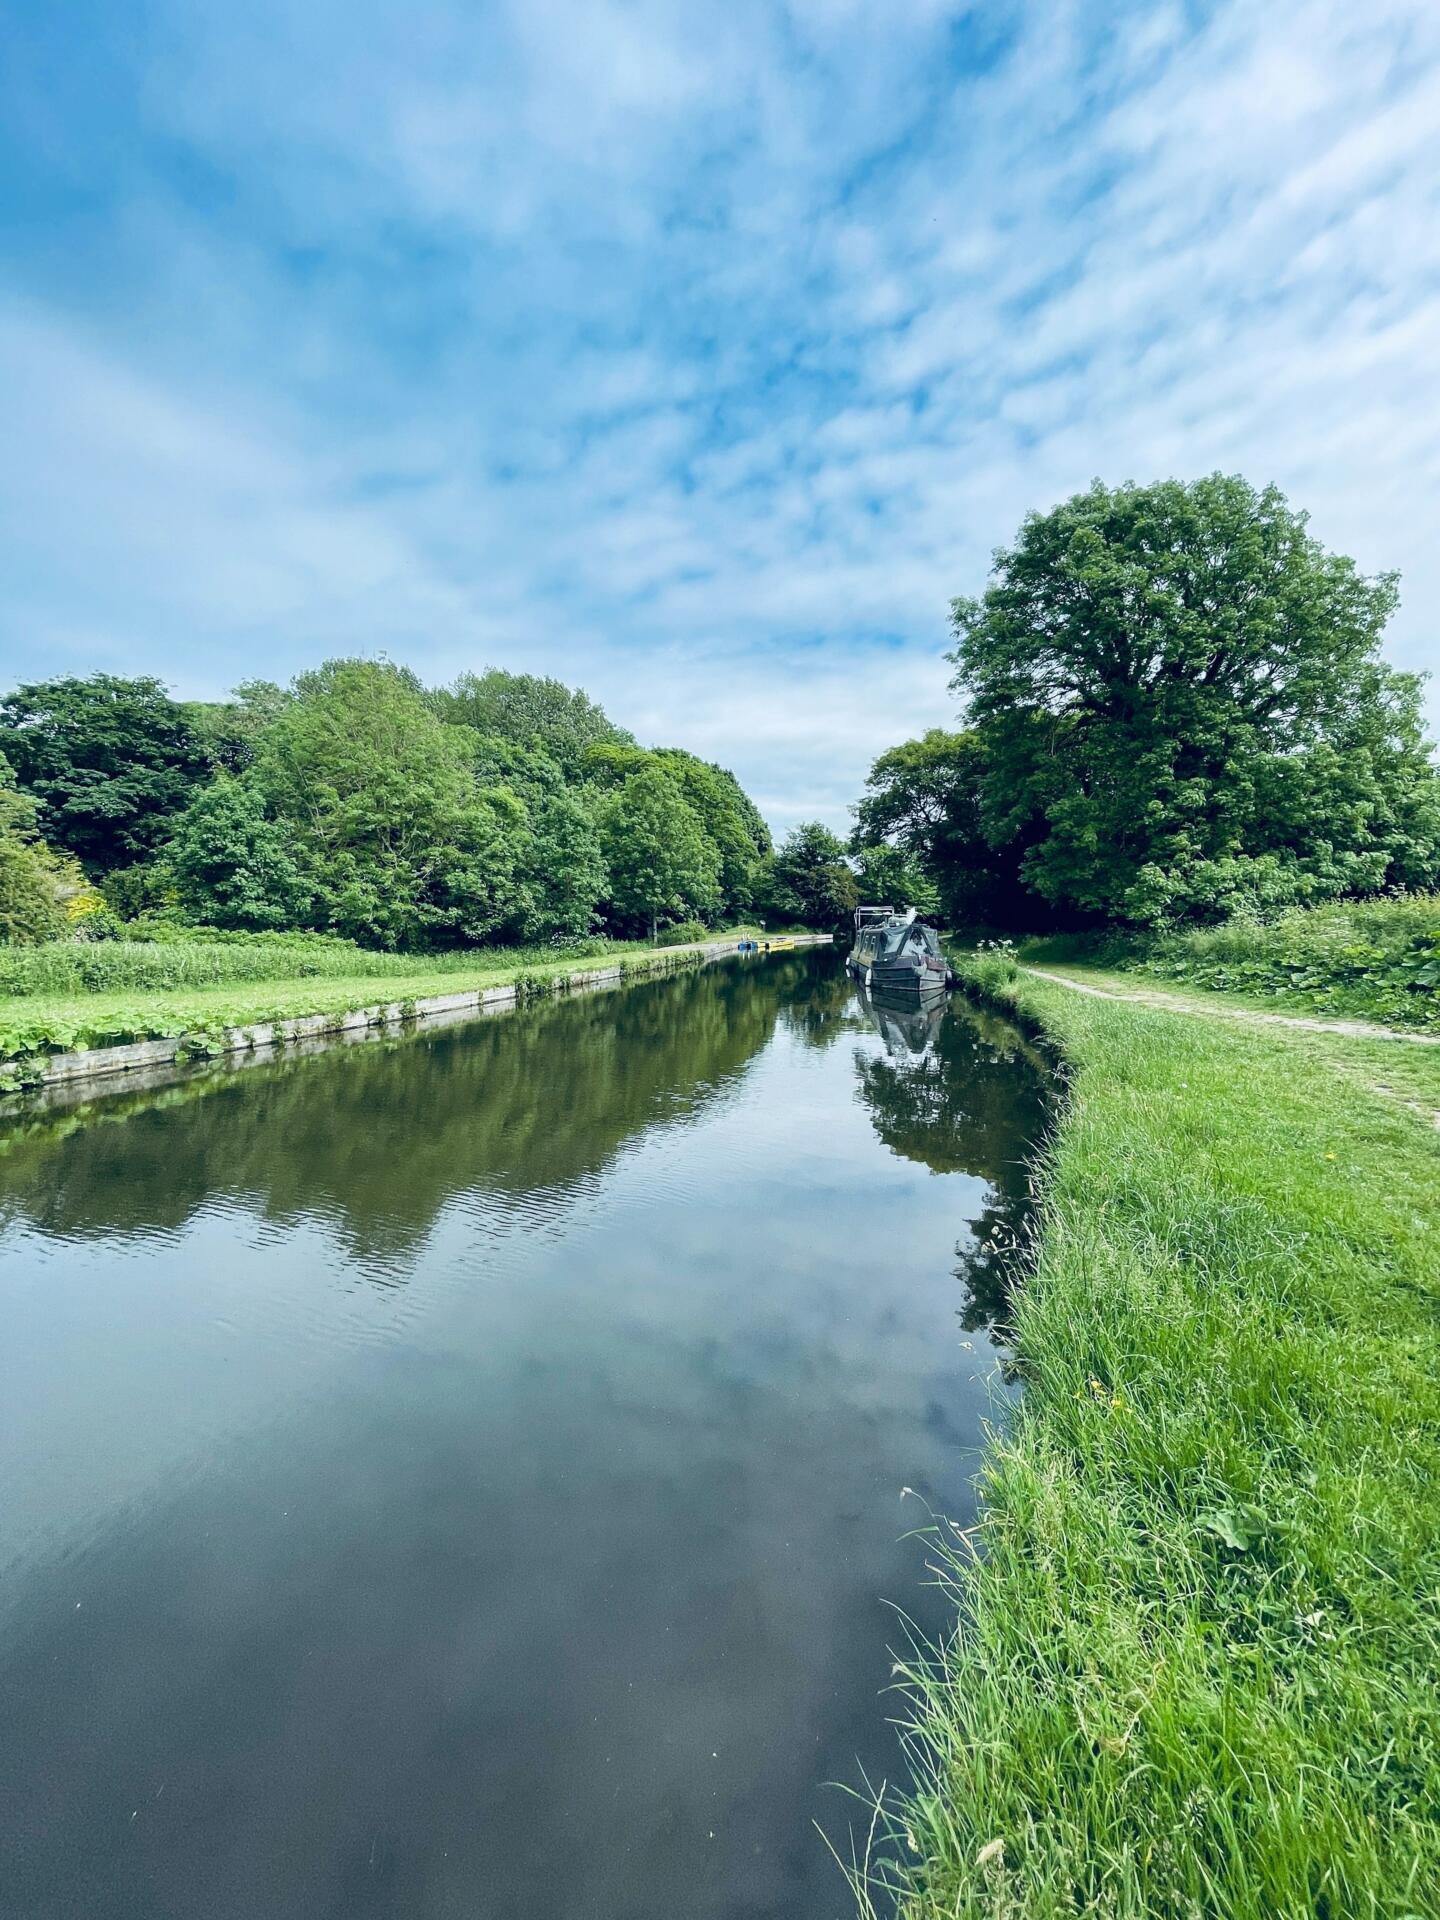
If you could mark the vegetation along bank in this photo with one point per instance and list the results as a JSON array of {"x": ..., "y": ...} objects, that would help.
[
  {"x": 1200, "y": 1618},
  {"x": 1199, "y": 1622}
]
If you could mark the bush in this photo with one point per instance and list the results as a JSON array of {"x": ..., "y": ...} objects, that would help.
[
  {"x": 682, "y": 934},
  {"x": 1378, "y": 957}
]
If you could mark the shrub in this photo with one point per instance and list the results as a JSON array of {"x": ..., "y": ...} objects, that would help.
[
  {"x": 682, "y": 933},
  {"x": 1379, "y": 957}
]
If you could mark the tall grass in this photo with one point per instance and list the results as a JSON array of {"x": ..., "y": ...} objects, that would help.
[
  {"x": 1195, "y": 1672},
  {"x": 69, "y": 967}
]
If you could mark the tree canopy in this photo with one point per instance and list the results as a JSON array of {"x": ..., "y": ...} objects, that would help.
[
  {"x": 400, "y": 845},
  {"x": 1183, "y": 707},
  {"x": 809, "y": 879},
  {"x": 356, "y": 801},
  {"x": 661, "y": 862},
  {"x": 1175, "y": 708},
  {"x": 228, "y": 865},
  {"x": 108, "y": 762},
  {"x": 560, "y": 721}
]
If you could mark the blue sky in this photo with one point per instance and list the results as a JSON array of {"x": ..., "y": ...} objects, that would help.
[{"x": 696, "y": 354}]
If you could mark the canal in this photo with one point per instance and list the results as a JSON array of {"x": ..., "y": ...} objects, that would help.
[{"x": 459, "y": 1477}]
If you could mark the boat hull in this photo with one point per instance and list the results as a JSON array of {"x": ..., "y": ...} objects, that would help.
[{"x": 911, "y": 984}]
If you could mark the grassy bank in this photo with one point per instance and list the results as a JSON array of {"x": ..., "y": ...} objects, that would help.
[
  {"x": 155, "y": 990},
  {"x": 1195, "y": 1674},
  {"x": 1359, "y": 959}
]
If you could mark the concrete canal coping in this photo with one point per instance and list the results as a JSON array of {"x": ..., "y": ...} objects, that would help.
[{"x": 140, "y": 1056}]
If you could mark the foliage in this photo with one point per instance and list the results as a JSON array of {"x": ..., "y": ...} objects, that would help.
[
  {"x": 661, "y": 862},
  {"x": 399, "y": 845},
  {"x": 1183, "y": 710},
  {"x": 808, "y": 879},
  {"x": 567, "y": 875},
  {"x": 610, "y": 763},
  {"x": 357, "y": 802},
  {"x": 731, "y": 823},
  {"x": 229, "y": 730},
  {"x": 683, "y": 933},
  {"x": 889, "y": 876},
  {"x": 1379, "y": 959},
  {"x": 1209, "y": 1562},
  {"x": 31, "y": 893},
  {"x": 227, "y": 865},
  {"x": 924, "y": 797},
  {"x": 109, "y": 762},
  {"x": 531, "y": 713}
]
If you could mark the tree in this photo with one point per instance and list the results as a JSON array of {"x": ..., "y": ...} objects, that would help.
[
  {"x": 924, "y": 799},
  {"x": 109, "y": 762},
  {"x": 32, "y": 879},
  {"x": 565, "y": 872},
  {"x": 229, "y": 730},
  {"x": 808, "y": 879},
  {"x": 532, "y": 712},
  {"x": 888, "y": 876},
  {"x": 390, "y": 830},
  {"x": 728, "y": 820},
  {"x": 1182, "y": 703},
  {"x": 229, "y": 866},
  {"x": 661, "y": 862}
]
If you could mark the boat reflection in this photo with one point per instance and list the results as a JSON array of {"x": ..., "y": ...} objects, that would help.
[
  {"x": 905, "y": 1026},
  {"x": 946, "y": 1093}
]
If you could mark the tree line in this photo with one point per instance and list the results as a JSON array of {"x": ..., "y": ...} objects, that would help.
[
  {"x": 357, "y": 802},
  {"x": 1175, "y": 710}
]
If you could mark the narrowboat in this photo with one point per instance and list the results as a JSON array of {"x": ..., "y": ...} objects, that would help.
[{"x": 897, "y": 955}]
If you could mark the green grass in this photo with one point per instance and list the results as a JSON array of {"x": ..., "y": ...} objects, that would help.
[
  {"x": 1196, "y": 1667},
  {"x": 36, "y": 1022},
  {"x": 1363, "y": 959},
  {"x": 158, "y": 963}
]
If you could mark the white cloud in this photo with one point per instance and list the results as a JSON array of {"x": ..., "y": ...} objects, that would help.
[{"x": 701, "y": 356}]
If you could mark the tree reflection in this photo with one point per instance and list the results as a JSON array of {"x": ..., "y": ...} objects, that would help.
[
  {"x": 961, "y": 1092},
  {"x": 375, "y": 1139}
]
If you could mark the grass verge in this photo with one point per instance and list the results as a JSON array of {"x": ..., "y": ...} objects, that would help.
[
  {"x": 35, "y": 1024},
  {"x": 1375, "y": 959},
  {"x": 1195, "y": 1673}
]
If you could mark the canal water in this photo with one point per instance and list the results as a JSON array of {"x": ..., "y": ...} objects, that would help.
[{"x": 461, "y": 1476}]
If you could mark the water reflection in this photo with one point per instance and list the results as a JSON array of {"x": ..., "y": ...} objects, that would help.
[
  {"x": 376, "y": 1139},
  {"x": 946, "y": 1092},
  {"x": 462, "y": 1476}
]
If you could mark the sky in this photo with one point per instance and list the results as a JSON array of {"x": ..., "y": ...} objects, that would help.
[{"x": 696, "y": 354}]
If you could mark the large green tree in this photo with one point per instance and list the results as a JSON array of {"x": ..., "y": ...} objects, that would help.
[
  {"x": 533, "y": 712},
  {"x": 923, "y": 798},
  {"x": 109, "y": 762},
  {"x": 228, "y": 865},
  {"x": 399, "y": 844},
  {"x": 662, "y": 864},
  {"x": 565, "y": 876},
  {"x": 809, "y": 879},
  {"x": 729, "y": 820},
  {"x": 1181, "y": 701}
]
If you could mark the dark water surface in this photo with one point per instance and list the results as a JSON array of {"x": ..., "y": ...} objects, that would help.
[{"x": 461, "y": 1476}]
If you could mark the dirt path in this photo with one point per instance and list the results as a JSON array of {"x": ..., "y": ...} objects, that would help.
[
  {"x": 1248, "y": 1016},
  {"x": 1257, "y": 1017}
]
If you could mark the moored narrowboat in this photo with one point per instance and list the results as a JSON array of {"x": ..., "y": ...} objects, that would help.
[{"x": 897, "y": 955}]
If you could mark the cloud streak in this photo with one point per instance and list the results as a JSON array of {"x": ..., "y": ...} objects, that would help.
[{"x": 698, "y": 356}]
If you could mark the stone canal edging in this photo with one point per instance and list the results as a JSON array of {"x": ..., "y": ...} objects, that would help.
[{"x": 86, "y": 1063}]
